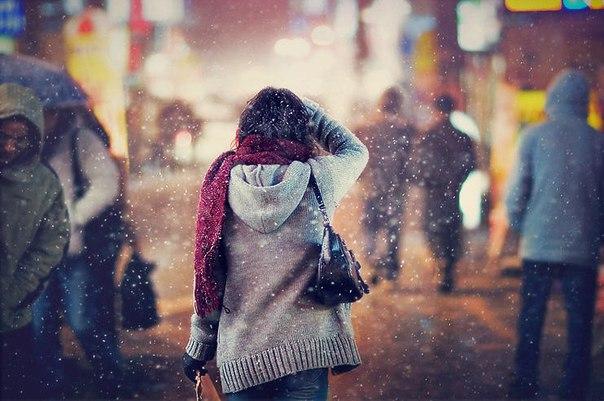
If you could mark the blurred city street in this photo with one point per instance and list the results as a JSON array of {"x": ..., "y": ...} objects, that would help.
[
  {"x": 476, "y": 116},
  {"x": 415, "y": 343}
]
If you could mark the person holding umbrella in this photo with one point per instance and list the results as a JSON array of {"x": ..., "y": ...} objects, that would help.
[
  {"x": 34, "y": 230},
  {"x": 82, "y": 287}
]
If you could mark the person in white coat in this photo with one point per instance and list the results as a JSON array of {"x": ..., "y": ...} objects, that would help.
[{"x": 81, "y": 289}]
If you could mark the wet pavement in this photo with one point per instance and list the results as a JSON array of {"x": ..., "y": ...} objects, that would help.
[{"x": 415, "y": 343}]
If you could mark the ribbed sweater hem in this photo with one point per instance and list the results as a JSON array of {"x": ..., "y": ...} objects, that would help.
[{"x": 287, "y": 359}]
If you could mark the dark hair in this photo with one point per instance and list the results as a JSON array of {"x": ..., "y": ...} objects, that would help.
[
  {"x": 275, "y": 113},
  {"x": 391, "y": 101},
  {"x": 91, "y": 121},
  {"x": 68, "y": 119},
  {"x": 445, "y": 104}
]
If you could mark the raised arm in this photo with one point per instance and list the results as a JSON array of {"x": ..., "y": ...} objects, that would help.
[{"x": 337, "y": 172}]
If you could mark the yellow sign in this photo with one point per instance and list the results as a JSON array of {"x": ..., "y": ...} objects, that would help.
[
  {"x": 594, "y": 117},
  {"x": 89, "y": 61},
  {"x": 531, "y": 109},
  {"x": 530, "y": 106},
  {"x": 425, "y": 53},
  {"x": 552, "y": 5},
  {"x": 533, "y": 5},
  {"x": 595, "y": 4}
]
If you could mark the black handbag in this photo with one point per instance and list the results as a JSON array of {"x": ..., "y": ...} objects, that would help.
[
  {"x": 139, "y": 304},
  {"x": 338, "y": 277}
]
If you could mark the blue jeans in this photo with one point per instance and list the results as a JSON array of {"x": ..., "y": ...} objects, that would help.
[
  {"x": 84, "y": 296},
  {"x": 308, "y": 385},
  {"x": 579, "y": 288}
]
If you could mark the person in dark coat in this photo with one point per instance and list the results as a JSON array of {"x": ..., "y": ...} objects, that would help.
[
  {"x": 445, "y": 157},
  {"x": 34, "y": 230},
  {"x": 388, "y": 137}
]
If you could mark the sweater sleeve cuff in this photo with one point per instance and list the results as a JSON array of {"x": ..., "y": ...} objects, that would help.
[{"x": 200, "y": 351}]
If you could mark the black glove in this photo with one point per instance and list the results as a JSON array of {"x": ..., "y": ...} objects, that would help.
[{"x": 191, "y": 366}]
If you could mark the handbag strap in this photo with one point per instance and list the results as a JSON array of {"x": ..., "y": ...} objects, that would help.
[{"x": 315, "y": 187}]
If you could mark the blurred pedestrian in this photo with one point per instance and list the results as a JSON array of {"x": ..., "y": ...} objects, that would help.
[
  {"x": 173, "y": 119},
  {"x": 34, "y": 231},
  {"x": 81, "y": 290},
  {"x": 258, "y": 243},
  {"x": 444, "y": 158},
  {"x": 388, "y": 136},
  {"x": 555, "y": 200}
]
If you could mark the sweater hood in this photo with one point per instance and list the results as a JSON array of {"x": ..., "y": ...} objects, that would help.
[
  {"x": 568, "y": 95},
  {"x": 19, "y": 101},
  {"x": 264, "y": 196}
]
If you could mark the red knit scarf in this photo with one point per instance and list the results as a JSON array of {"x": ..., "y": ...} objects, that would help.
[{"x": 254, "y": 149}]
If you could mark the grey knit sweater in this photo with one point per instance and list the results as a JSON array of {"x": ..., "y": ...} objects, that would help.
[{"x": 271, "y": 245}]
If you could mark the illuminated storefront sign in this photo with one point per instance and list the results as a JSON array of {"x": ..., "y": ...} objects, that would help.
[
  {"x": 478, "y": 27},
  {"x": 531, "y": 109},
  {"x": 159, "y": 11},
  {"x": 553, "y": 5},
  {"x": 581, "y": 4},
  {"x": 98, "y": 64}
]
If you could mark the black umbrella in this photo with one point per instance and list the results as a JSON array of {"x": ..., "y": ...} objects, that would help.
[{"x": 54, "y": 86}]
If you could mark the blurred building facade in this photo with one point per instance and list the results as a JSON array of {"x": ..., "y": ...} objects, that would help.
[{"x": 495, "y": 57}]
